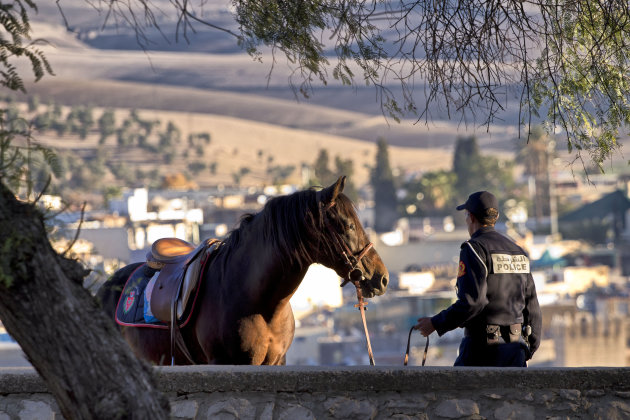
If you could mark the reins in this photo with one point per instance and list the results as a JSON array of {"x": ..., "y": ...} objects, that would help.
[
  {"x": 361, "y": 305},
  {"x": 354, "y": 276},
  {"x": 426, "y": 348}
]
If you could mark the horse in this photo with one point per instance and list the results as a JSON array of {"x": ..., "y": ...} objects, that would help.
[{"x": 243, "y": 315}]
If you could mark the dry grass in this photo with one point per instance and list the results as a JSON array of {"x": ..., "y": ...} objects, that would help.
[
  {"x": 237, "y": 143},
  {"x": 248, "y": 131}
]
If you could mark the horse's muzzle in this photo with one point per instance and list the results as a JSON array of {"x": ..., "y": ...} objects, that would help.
[
  {"x": 376, "y": 286},
  {"x": 381, "y": 285}
]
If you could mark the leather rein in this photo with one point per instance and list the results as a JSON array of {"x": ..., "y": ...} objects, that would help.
[
  {"x": 354, "y": 275},
  {"x": 426, "y": 348}
]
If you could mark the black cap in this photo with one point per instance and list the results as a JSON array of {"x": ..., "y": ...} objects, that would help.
[{"x": 479, "y": 202}]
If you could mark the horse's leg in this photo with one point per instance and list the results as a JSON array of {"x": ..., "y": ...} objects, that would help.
[
  {"x": 149, "y": 344},
  {"x": 280, "y": 335},
  {"x": 287, "y": 333},
  {"x": 255, "y": 339},
  {"x": 266, "y": 343}
]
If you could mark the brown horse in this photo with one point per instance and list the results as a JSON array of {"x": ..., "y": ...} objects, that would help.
[{"x": 243, "y": 315}]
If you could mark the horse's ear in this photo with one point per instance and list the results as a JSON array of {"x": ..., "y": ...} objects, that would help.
[{"x": 329, "y": 194}]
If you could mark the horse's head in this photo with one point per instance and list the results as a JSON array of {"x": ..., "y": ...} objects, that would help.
[{"x": 350, "y": 251}]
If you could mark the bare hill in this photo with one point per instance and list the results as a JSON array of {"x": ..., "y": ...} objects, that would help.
[
  {"x": 251, "y": 115},
  {"x": 237, "y": 143},
  {"x": 237, "y": 86}
]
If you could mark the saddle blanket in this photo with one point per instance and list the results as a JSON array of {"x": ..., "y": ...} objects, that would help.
[{"x": 134, "y": 305}]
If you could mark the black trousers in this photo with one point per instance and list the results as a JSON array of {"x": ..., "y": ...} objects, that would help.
[{"x": 478, "y": 353}]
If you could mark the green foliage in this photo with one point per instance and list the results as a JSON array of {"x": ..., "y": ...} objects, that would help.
[
  {"x": 171, "y": 136},
  {"x": 168, "y": 155},
  {"x": 110, "y": 193},
  {"x": 477, "y": 172},
  {"x": 13, "y": 119},
  {"x": 594, "y": 232},
  {"x": 323, "y": 174},
  {"x": 468, "y": 167},
  {"x": 145, "y": 126},
  {"x": 237, "y": 176},
  {"x": 198, "y": 141},
  {"x": 15, "y": 22},
  {"x": 432, "y": 194},
  {"x": 280, "y": 173},
  {"x": 570, "y": 59},
  {"x": 382, "y": 180},
  {"x": 33, "y": 103},
  {"x": 123, "y": 172},
  {"x": 43, "y": 121},
  {"x": 584, "y": 75},
  {"x": 346, "y": 167},
  {"x": 199, "y": 150},
  {"x": 80, "y": 121},
  {"x": 22, "y": 160},
  {"x": 125, "y": 136},
  {"x": 106, "y": 125},
  {"x": 196, "y": 167},
  {"x": 296, "y": 29},
  {"x": 134, "y": 130},
  {"x": 85, "y": 179}
]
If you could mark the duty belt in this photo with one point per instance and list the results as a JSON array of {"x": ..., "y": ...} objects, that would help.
[{"x": 496, "y": 334}]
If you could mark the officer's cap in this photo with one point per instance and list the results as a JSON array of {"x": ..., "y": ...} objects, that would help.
[{"x": 479, "y": 202}]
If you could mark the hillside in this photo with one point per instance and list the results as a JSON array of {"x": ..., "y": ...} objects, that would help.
[
  {"x": 236, "y": 85},
  {"x": 253, "y": 117},
  {"x": 237, "y": 143}
]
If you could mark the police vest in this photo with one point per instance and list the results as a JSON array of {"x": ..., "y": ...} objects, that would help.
[{"x": 508, "y": 271}]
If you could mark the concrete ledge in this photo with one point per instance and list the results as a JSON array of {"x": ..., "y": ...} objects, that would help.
[
  {"x": 361, "y": 392},
  {"x": 20, "y": 380},
  {"x": 360, "y": 378},
  {"x": 191, "y": 379}
]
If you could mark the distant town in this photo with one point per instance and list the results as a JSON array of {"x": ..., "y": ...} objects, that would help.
[
  {"x": 573, "y": 223},
  {"x": 582, "y": 287}
]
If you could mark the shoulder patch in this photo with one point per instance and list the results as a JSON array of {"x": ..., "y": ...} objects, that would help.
[{"x": 461, "y": 270}]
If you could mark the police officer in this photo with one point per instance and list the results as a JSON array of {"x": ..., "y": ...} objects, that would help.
[{"x": 496, "y": 296}]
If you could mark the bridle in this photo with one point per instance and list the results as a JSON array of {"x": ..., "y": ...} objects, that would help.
[{"x": 354, "y": 274}]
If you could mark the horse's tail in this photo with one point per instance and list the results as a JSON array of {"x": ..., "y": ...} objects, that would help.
[{"x": 109, "y": 293}]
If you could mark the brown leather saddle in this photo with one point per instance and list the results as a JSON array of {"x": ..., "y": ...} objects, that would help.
[{"x": 179, "y": 263}]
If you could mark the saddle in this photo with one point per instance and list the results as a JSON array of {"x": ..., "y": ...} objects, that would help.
[{"x": 179, "y": 265}]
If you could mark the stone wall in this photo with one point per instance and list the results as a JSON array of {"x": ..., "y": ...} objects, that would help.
[{"x": 295, "y": 393}]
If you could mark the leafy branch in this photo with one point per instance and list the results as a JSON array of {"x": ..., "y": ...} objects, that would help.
[{"x": 14, "y": 21}]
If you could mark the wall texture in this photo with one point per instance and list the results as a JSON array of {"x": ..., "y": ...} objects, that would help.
[{"x": 295, "y": 393}]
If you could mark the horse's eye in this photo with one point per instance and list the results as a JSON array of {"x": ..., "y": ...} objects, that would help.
[{"x": 351, "y": 227}]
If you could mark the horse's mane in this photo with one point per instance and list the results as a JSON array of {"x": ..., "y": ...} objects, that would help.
[{"x": 293, "y": 225}]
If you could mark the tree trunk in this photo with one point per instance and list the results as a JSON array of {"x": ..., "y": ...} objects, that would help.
[{"x": 65, "y": 334}]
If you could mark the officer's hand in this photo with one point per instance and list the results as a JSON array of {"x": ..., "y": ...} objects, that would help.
[{"x": 425, "y": 326}]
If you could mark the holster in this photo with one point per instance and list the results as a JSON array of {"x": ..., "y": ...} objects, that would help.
[
  {"x": 493, "y": 334},
  {"x": 496, "y": 334}
]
